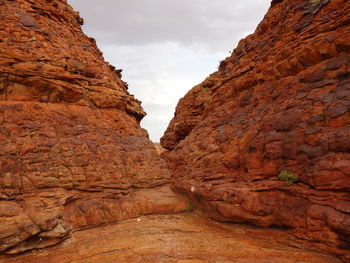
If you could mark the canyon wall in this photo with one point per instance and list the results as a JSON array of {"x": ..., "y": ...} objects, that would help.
[
  {"x": 266, "y": 138},
  {"x": 72, "y": 153}
]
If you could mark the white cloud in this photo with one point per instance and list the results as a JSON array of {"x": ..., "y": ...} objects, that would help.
[
  {"x": 160, "y": 74},
  {"x": 166, "y": 47}
]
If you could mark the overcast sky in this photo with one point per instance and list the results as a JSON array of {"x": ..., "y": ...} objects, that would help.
[{"x": 166, "y": 47}]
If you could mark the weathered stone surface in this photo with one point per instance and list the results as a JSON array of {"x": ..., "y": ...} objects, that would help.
[
  {"x": 72, "y": 152},
  {"x": 46, "y": 57},
  {"x": 74, "y": 147},
  {"x": 46, "y": 217},
  {"x": 177, "y": 238},
  {"x": 280, "y": 102}
]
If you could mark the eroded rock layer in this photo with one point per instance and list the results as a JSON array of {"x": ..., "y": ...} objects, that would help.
[
  {"x": 72, "y": 153},
  {"x": 279, "y": 103},
  {"x": 184, "y": 238}
]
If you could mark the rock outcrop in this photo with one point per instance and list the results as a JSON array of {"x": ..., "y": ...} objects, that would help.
[
  {"x": 266, "y": 138},
  {"x": 72, "y": 153}
]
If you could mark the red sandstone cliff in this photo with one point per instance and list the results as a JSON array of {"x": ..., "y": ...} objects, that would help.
[
  {"x": 72, "y": 152},
  {"x": 280, "y": 102}
]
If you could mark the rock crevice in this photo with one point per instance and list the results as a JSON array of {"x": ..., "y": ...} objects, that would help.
[{"x": 73, "y": 155}]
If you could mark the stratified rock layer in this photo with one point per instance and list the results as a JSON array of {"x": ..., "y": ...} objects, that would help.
[
  {"x": 72, "y": 152},
  {"x": 184, "y": 238},
  {"x": 280, "y": 102}
]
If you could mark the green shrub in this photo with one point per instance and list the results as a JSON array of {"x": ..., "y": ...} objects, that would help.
[
  {"x": 287, "y": 177},
  {"x": 191, "y": 206}
]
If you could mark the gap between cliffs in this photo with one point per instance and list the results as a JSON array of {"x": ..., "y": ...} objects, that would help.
[{"x": 81, "y": 182}]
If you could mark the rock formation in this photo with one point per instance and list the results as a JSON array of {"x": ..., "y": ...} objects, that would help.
[
  {"x": 72, "y": 153},
  {"x": 266, "y": 138}
]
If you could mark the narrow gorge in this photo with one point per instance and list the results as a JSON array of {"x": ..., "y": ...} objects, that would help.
[{"x": 255, "y": 165}]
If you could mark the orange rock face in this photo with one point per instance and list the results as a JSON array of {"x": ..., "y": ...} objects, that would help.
[
  {"x": 279, "y": 103},
  {"x": 72, "y": 152}
]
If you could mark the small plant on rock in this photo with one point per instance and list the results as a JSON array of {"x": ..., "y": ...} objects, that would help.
[
  {"x": 287, "y": 177},
  {"x": 191, "y": 206}
]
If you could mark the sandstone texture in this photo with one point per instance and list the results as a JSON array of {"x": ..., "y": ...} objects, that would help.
[
  {"x": 184, "y": 238},
  {"x": 160, "y": 150},
  {"x": 280, "y": 102},
  {"x": 72, "y": 153}
]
